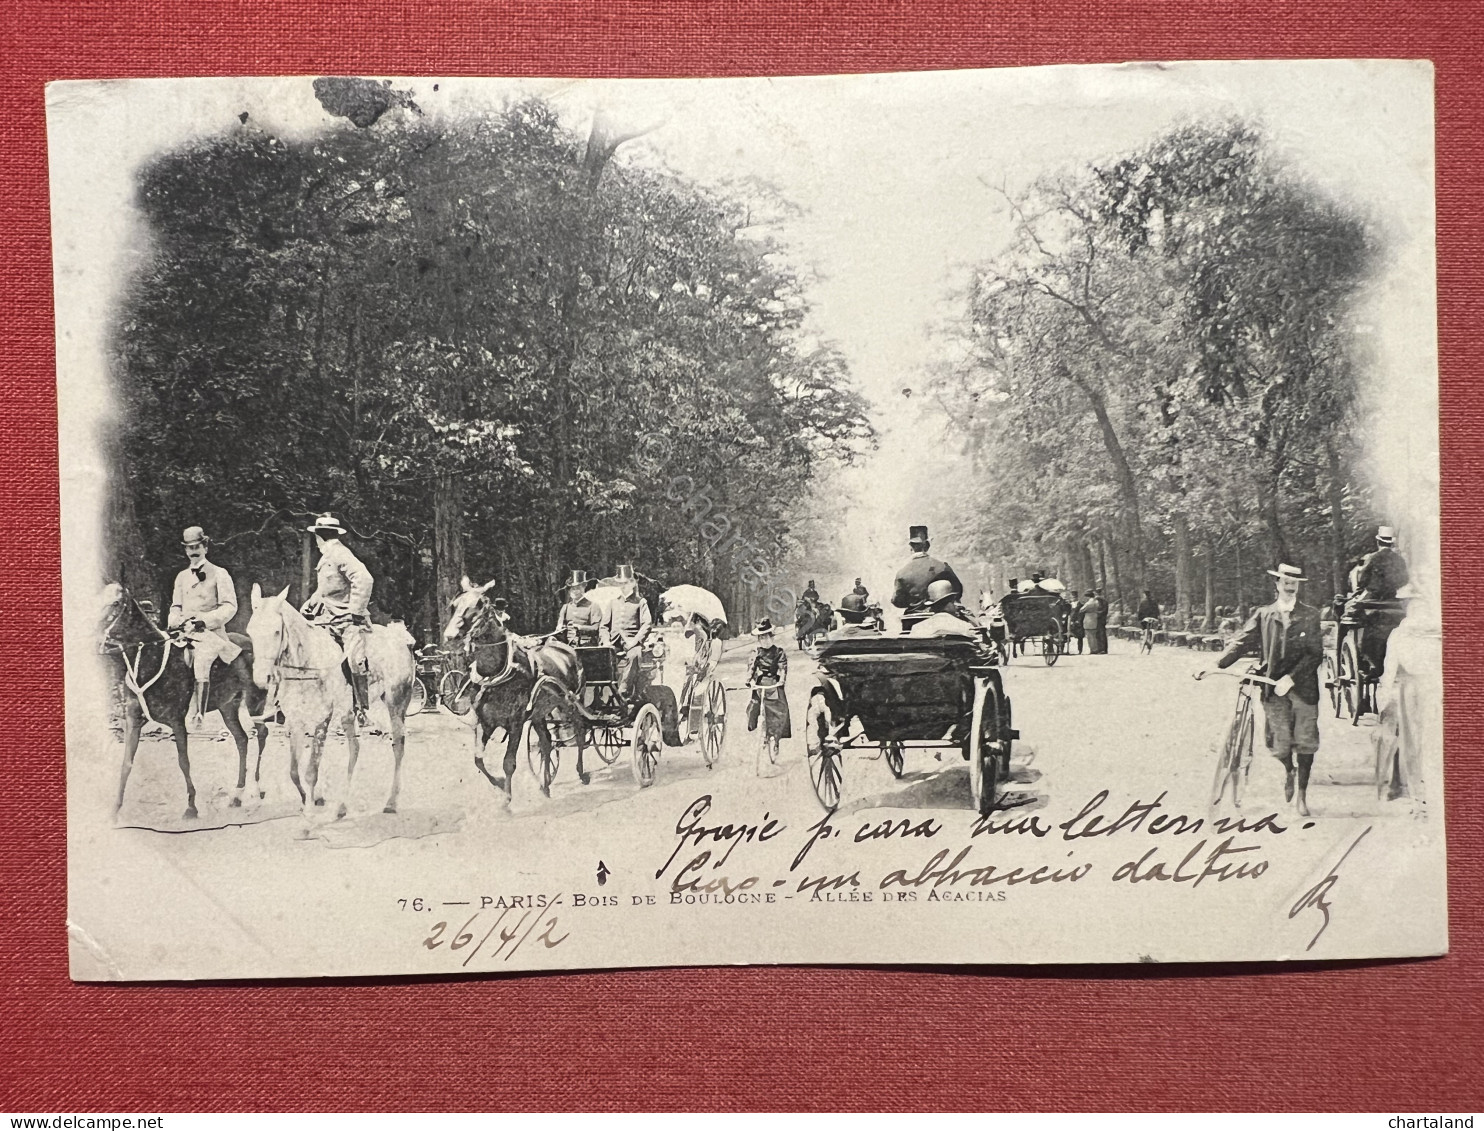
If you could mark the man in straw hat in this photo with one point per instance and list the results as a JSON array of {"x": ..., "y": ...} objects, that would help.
[
  {"x": 581, "y": 621},
  {"x": 921, "y": 570},
  {"x": 203, "y": 602},
  {"x": 1287, "y": 638},
  {"x": 630, "y": 622},
  {"x": 341, "y": 602},
  {"x": 1385, "y": 571}
]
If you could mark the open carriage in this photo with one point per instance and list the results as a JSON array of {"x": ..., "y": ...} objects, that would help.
[
  {"x": 675, "y": 698},
  {"x": 894, "y": 692},
  {"x": 1038, "y": 619},
  {"x": 1355, "y": 654}
]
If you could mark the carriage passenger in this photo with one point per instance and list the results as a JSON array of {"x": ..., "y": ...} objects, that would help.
[
  {"x": 769, "y": 669},
  {"x": 204, "y": 601},
  {"x": 582, "y": 622},
  {"x": 630, "y": 623},
  {"x": 949, "y": 618},
  {"x": 341, "y": 602}
]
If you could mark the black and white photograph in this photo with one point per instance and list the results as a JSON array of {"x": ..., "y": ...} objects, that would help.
[{"x": 979, "y": 517}]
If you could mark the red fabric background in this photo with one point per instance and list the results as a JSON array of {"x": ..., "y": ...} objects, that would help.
[{"x": 1394, "y": 1036}]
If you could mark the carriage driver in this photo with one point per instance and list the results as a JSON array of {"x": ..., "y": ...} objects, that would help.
[
  {"x": 204, "y": 601},
  {"x": 341, "y": 602},
  {"x": 921, "y": 570},
  {"x": 631, "y": 623},
  {"x": 581, "y": 622}
]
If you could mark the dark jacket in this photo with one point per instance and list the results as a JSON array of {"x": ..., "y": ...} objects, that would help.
[
  {"x": 1148, "y": 610},
  {"x": 1297, "y": 652},
  {"x": 914, "y": 578},
  {"x": 1383, "y": 574}
]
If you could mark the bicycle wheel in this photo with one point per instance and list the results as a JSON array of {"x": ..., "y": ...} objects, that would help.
[
  {"x": 419, "y": 701},
  {"x": 453, "y": 692},
  {"x": 1146, "y": 645},
  {"x": 894, "y": 758},
  {"x": 1229, "y": 766},
  {"x": 1331, "y": 684}
]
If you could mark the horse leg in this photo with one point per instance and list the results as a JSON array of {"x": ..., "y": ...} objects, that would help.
[
  {"x": 353, "y": 744},
  {"x": 261, "y": 730},
  {"x": 178, "y": 728},
  {"x": 296, "y": 744},
  {"x": 228, "y": 712},
  {"x": 512, "y": 747},
  {"x": 311, "y": 770},
  {"x": 399, "y": 739},
  {"x": 482, "y": 735},
  {"x": 580, "y": 731},
  {"x": 133, "y": 724}
]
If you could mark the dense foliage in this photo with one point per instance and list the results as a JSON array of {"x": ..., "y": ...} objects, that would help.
[{"x": 488, "y": 344}]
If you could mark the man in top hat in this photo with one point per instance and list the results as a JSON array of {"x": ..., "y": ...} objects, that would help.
[
  {"x": 1383, "y": 572},
  {"x": 810, "y": 592},
  {"x": 341, "y": 601},
  {"x": 1287, "y": 638},
  {"x": 203, "y": 602},
  {"x": 921, "y": 570},
  {"x": 949, "y": 618},
  {"x": 630, "y": 622},
  {"x": 582, "y": 621}
]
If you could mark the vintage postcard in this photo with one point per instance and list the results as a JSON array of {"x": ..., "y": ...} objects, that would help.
[{"x": 967, "y": 517}]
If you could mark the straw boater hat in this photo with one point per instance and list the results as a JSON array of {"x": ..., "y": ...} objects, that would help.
[
  {"x": 1285, "y": 570},
  {"x": 192, "y": 535},
  {"x": 1385, "y": 536},
  {"x": 326, "y": 522}
]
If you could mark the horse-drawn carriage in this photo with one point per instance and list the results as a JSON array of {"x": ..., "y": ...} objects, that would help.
[
  {"x": 896, "y": 692},
  {"x": 1033, "y": 618},
  {"x": 673, "y": 699},
  {"x": 1355, "y": 653}
]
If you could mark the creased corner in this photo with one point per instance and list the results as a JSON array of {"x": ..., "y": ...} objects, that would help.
[{"x": 89, "y": 962}]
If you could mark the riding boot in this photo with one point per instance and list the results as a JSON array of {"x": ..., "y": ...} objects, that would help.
[
  {"x": 197, "y": 717},
  {"x": 361, "y": 696}
]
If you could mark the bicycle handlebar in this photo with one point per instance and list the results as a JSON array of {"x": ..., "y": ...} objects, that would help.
[{"x": 1252, "y": 676}]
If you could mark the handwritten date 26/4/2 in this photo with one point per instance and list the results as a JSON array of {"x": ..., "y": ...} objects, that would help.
[{"x": 497, "y": 936}]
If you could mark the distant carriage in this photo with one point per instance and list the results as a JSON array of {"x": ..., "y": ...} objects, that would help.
[
  {"x": 1355, "y": 654},
  {"x": 1038, "y": 619}
]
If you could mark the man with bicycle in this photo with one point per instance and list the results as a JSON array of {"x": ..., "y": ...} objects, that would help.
[
  {"x": 1149, "y": 620},
  {"x": 1286, "y": 637}
]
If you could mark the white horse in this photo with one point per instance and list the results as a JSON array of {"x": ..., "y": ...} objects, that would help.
[{"x": 304, "y": 665}]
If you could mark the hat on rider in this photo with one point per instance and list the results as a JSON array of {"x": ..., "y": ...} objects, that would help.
[
  {"x": 1289, "y": 571},
  {"x": 194, "y": 535},
  {"x": 326, "y": 523},
  {"x": 940, "y": 592},
  {"x": 1385, "y": 536},
  {"x": 918, "y": 536}
]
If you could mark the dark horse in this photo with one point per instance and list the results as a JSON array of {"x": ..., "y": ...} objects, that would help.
[
  {"x": 810, "y": 619},
  {"x": 149, "y": 665},
  {"x": 518, "y": 684}
]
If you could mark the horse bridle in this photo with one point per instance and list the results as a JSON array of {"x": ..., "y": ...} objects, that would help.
[
  {"x": 477, "y": 623},
  {"x": 108, "y": 646}
]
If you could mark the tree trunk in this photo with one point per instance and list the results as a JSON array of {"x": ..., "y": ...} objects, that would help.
[
  {"x": 1183, "y": 571},
  {"x": 1102, "y": 574},
  {"x": 1210, "y": 556},
  {"x": 1128, "y": 486},
  {"x": 1336, "y": 519},
  {"x": 448, "y": 537},
  {"x": 306, "y": 566},
  {"x": 1241, "y": 589}
]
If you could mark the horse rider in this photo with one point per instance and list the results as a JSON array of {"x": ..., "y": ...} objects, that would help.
[
  {"x": 203, "y": 602},
  {"x": 853, "y": 605},
  {"x": 811, "y": 594},
  {"x": 630, "y": 623},
  {"x": 920, "y": 571},
  {"x": 949, "y": 617},
  {"x": 581, "y": 622},
  {"x": 341, "y": 602}
]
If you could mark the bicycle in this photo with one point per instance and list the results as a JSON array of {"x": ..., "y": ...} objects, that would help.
[
  {"x": 770, "y": 742},
  {"x": 1235, "y": 761},
  {"x": 1146, "y": 641}
]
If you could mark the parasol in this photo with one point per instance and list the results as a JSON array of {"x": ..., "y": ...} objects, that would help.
[{"x": 692, "y": 599}]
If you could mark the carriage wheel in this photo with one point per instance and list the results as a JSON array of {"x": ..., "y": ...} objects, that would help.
[
  {"x": 419, "y": 701},
  {"x": 1050, "y": 649},
  {"x": 454, "y": 694},
  {"x": 645, "y": 744},
  {"x": 544, "y": 769},
  {"x": 823, "y": 753},
  {"x": 984, "y": 746},
  {"x": 1332, "y": 684},
  {"x": 1350, "y": 680},
  {"x": 894, "y": 761},
  {"x": 609, "y": 743},
  {"x": 713, "y": 723}
]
